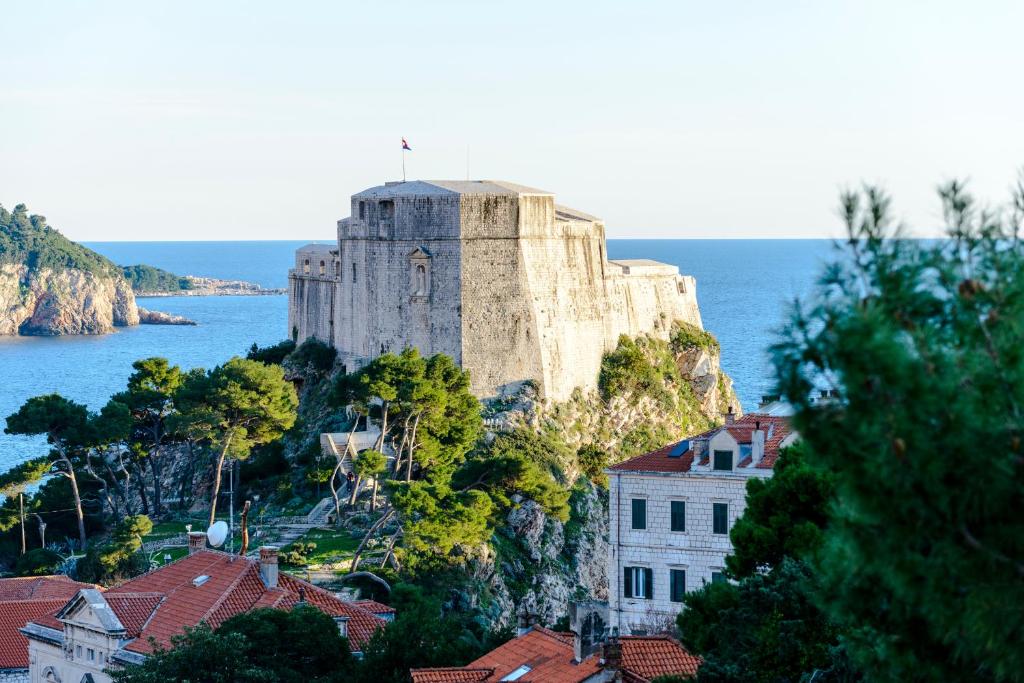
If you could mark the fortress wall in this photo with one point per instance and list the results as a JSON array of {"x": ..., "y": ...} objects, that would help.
[
  {"x": 310, "y": 301},
  {"x": 382, "y": 309},
  {"x": 649, "y": 304}
]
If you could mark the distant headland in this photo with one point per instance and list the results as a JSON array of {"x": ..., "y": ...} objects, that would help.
[{"x": 51, "y": 286}]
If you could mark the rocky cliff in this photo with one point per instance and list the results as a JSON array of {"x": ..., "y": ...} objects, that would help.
[{"x": 47, "y": 301}]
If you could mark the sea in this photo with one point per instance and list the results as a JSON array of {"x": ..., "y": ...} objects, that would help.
[{"x": 745, "y": 289}]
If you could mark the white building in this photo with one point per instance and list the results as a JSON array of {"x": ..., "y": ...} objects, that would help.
[{"x": 671, "y": 512}]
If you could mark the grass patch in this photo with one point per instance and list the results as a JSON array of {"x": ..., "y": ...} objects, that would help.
[{"x": 331, "y": 546}]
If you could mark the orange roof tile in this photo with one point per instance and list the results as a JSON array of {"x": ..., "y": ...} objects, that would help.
[
  {"x": 44, "y": 587},
  {"x": 742, "y": 430},
  {"x": 550, "y": 658},
  {"x": 14, "y": 614},
  {"x": 162, "y": 602}
]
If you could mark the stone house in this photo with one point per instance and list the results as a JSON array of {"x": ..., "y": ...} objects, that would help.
[
  {"x": 98, "y": 629},
  {"x": 671, "y": 511},
  {"x": 513, "y": 286},
  {"x": 22, "y": 600}
]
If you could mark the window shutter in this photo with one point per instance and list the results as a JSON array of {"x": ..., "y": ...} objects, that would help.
[
  {"x": 721, "y": 518},
  {"x": 639, "y": 513},
  {"x": 649, "y": 581},
  {"x": 627, "y": 578},
  {"x": 678, "y": 515}
]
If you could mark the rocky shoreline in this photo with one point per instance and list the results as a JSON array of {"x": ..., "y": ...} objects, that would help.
[
  {"x": 208, "y": 286},
  {"x": 148, "y": 317}
]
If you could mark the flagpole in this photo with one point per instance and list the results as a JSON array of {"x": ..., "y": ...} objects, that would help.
[{"x": 403, "y": 163}]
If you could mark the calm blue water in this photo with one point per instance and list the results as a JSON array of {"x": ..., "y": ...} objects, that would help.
[{"x": 742, "y": 287}]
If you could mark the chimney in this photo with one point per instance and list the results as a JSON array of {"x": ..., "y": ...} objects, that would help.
[
  {"x": 730, "y": 417},
  {"x": 526, "y": 622},
  {"x": 587, "y": 622},
  {"x": 757, "y": 444},
  {"x": 268, "y": 565},
  {"x": 196, "y": 541},
  {"x": 611, "y": 656}
]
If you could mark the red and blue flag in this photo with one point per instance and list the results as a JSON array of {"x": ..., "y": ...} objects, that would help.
[{"x": 405, "y": 145}]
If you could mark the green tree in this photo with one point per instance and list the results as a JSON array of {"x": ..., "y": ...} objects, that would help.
[
  {"x": 920, "y": 343},
  {"x": 150, "y": 398},
  {"x": 302, "y": 645},
  {"x": 369, "y": 464},
  {"x": 119, "y": 558},
  {"x": 66, "y": 426},
  {"x": 235, "y": 407},
  {"x": 271, "y": 355}
]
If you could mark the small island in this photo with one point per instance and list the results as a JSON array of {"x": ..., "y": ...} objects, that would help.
[{"x": 150, "y": 281}]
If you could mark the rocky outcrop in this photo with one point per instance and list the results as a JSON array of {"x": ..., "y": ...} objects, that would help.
[
  {"x": 51, "y": 302},
  {"x": 148, "y": 317}
]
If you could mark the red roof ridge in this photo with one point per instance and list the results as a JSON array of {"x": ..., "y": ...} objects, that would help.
[{"x": 228, "y": 592}]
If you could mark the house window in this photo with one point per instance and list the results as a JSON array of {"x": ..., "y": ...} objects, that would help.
[
  {"x": 678, "y": 515},
  {"x": 676, "y": 584},
  {"x": 78, "y": 650},
  {"x": 387, "y": 210},
  {"x": 91, "y": 654},
  {"x": 323, "y": 268},
  {"x": 717, "y": 577},
  {"x": 638, "y": 582},
  {"x": 639, "y": 513},
  {"x": 721, "y": 518},
  {"x": 518, "y": 673},
  {"x": 723, "y": 460}
]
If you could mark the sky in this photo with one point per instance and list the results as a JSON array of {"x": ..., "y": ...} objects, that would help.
[{"x": 257, "y": 120}]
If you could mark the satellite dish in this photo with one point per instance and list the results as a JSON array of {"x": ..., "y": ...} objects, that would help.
[{"x": 217, "y": 534}]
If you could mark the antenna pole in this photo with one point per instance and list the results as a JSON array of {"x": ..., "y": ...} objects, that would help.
[
  {"x": 231, "y": 508},
  {"x": 403, "y": 164}
]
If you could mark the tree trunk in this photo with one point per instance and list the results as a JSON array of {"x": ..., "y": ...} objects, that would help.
[
  {"x": 78, "y": 501},
  {"x": 218, "y": 471},
  {"x": 155, "y": 469},
  {"x": 412, "y": 445},
  {"x": 334, "y": 494},
  {"x": 141, "y": 484},
  {"x": 21, "y": 507},
  {"x": 355, "y": 491},
  {"x": 245, "y": 529},
  {"x": 373, "y": 496},
  {"x": 42, "y": 530},
  {"x": 401, "y": 446},
  {"x": 369, "y": 534}
]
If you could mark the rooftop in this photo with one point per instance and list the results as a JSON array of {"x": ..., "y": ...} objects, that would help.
[
  {"x": 679, "y": 456},
  {"x": 443, "y": 187},
  {"x": 22, "y": 600},
  {"x": 545, "y": 656},
  {"x": 161, "y": 603}
]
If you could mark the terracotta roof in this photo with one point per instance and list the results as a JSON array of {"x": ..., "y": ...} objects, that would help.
[
  {"x": 26, "y": 599},
  {"x": 450, "y": 675},
  {"x": 647, "y": 657},
  {"x": 550, "y": 658},
  {"x": 374, "y": 606},
  {"x": 14, "y": 614},
  {"x": 44, "y": 587},
  {"x": 742, "y": 431},
  {"x": 161, "y": 603}
]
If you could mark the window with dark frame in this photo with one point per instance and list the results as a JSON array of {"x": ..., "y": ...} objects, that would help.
[
  {"x": 676, "y": 584},
  {"x": 639, "y": 514},
  {"x": 638, "y": 582},
  {"x": 717, "y": 577},
  {"x": 678, "y": 515},
  {"x": 720, "y": 520},
  {"x": 723, "y": 461}
]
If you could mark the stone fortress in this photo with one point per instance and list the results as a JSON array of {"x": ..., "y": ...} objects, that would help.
[{"x": 513, "y": 286}]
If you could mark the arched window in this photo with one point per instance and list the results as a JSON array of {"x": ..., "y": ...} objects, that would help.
[
  {"x": 305, "y": 267},
  {"x": 323, "y": 268}
]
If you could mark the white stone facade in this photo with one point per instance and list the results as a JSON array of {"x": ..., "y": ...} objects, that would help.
[
  {"x": 513, "y": 286},
  {"x": 14, "y": 676},
  {"x": 698, "y": 549}
]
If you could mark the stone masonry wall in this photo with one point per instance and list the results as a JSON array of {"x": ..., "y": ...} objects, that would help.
[{"x": 697, "y": 550}]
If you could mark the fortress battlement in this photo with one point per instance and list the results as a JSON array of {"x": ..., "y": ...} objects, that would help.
[{"x": 497, "y": 275}]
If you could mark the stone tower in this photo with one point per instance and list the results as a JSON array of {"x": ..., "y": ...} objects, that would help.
[{"x": 510, "y": 284}]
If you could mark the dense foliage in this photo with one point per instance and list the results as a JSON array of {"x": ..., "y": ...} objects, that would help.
[
  {"x": 263, "y": 646},
  {"x": 272, "y": 355},
  {"x": 767, "y": 626},
  {"x": 118, "y": 558},
  {"x": 28, "y": 239},
  {"x": 144, "y": 279},
  {"x": 922, "y": 562}
]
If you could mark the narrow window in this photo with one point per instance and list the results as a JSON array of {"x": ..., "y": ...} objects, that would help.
[
  {"x": 337, "y": 268},
  {"x": 638, "y": 582},
  {"x": 305, "y": 267},
  {"x": 639, "y": 513},
  {"x": 677, "y": 584},
  {"x": 353, "y": 271},
  {"x": 91, "y": 654},
  {"x": 717, "y": 577},
  {"x": 78, "y": 650},
  {"x": 362, "y": 211},
  {"x": 721, "y": 518},
  {"x": 323, "y": 268},
  {"x": 723, "y": 460},
  {"x": 678, "y": 515}
]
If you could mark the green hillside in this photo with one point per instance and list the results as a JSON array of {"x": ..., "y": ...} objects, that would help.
[
  {"x": 145, "y": 278},
  {"x": 28, "y": 239}
]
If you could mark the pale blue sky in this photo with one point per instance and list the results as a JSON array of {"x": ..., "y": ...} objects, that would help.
[{"x": 257, "y": 120}]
